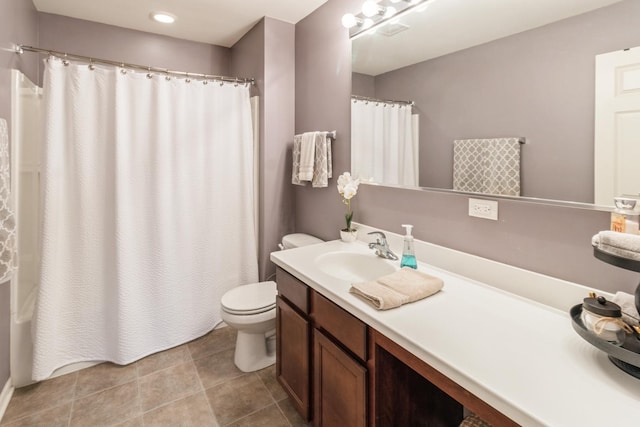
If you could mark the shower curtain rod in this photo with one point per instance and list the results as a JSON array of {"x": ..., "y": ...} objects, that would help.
[
  {"x": 386, "y": 101},
  {"x": 239, "y": 80}
]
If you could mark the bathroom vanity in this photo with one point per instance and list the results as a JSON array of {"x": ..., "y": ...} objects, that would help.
[{"x": 509, "y": 359}]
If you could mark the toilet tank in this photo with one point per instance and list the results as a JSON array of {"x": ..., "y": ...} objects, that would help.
[{"x": 297, "y": 240}]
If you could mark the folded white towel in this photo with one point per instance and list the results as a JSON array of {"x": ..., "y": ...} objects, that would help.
[
  {"x": 627, "y": 303},
  {"x": 620, "y": 244},
  {"x": 404, "y": 286},
  {"x": 307, "y": 156}
]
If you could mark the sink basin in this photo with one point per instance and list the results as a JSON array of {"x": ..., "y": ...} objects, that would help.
[{"x": 354, "y": 267}]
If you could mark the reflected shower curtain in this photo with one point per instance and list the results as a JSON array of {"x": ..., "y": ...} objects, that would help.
[
  {"x": 384, "y": 143},
  {"x": 147, "y": 212}
]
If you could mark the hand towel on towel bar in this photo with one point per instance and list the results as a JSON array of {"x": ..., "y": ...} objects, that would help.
[
  {"x": 314, "y": 165},
  {"x": 404, "y": 286},
  {"x": 307, "y": 156}
]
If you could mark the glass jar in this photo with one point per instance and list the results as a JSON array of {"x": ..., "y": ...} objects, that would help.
[
  {"x": 624, "y": 218},
  {"x": 603, "y": 318}
]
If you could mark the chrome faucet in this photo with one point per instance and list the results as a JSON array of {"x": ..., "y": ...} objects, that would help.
[{"x": 381, "y": 246}]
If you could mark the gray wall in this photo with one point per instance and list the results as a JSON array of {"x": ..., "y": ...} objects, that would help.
[
  {"x": 553, "y": 240},
  {"x": 538, "y": 84},
  {"x": 137, "y": 47},
  {"x": 18, "y": 25},
  {"x": 267, "y": 53}
]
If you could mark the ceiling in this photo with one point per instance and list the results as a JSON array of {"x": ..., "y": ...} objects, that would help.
[
  {"x": 450, "y": 25},
  {"x": 219, "y": 22}
]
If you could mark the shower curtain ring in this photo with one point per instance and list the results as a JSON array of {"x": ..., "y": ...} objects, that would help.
[
  {"x": 149, "y": 75},
  {"x": 91, "y": 66},
  {"x": 167, "y": 77},
  {"x": 187, "y": 80},
  {"x": 236, "y": 84}
]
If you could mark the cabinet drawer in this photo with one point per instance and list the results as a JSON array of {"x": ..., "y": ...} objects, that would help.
[
  {"x": 349, "y": 331},
  {"x": 293, "y": 290}
]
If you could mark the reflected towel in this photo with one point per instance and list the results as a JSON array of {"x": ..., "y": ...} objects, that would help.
[
  {"x": 627, "y": 303},
  {"x": 404, "y": 286},
  {"x": 620, "y": 244},
  {"x": 7, "y": 220},
  {"x": 489, "y": 166}
]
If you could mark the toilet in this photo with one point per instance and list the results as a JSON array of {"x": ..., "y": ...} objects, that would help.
[{"x": 251, "y": 310}]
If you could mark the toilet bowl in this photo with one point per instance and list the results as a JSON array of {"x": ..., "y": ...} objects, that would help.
[{"x": 251, "y": 310}]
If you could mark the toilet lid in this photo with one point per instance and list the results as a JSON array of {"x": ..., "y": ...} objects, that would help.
[{"x": 250, "y": 299}]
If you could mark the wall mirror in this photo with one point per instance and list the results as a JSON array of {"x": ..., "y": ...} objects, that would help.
[{"x": 482, "y": 69}]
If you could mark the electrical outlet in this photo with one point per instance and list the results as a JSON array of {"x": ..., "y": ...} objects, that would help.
[{"x": 487, "y": 209}]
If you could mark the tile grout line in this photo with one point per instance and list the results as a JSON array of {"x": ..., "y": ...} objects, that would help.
[
  {"x": 204, "y": 390},
  {"x": 73, "y": 399}
]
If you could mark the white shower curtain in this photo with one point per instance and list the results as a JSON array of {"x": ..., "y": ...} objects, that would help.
[
  {"x": 384, "y": 143},
  {"x": 148, "y": 211}
]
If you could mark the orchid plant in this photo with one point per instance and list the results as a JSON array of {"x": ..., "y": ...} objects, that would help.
[{"x": 348, "y": 188}]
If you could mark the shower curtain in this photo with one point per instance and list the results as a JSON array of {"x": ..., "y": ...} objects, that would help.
[
  {"x": 148, "y": 204},
  {"x": 384, "y": 143}
]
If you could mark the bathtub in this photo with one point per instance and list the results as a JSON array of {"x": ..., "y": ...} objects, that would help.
[
  {"x": 21, "y": 346},
  {"x": 26, "y": 106}
]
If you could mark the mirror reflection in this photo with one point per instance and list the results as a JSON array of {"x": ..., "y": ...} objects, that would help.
[{"x": 490, "y": 70}]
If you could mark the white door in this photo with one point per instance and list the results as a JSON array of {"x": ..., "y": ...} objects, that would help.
[{"x": 617, "y": 125}]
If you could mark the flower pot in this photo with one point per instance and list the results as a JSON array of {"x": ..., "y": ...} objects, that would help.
[{"x": 349, "y": 236}]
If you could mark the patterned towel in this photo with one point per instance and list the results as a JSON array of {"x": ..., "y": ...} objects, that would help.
[
  {"x": 489, "y": 166},
  {"x": 7, "y": 220}
]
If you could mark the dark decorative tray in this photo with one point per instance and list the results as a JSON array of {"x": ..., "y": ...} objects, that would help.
[
  {"x": 626, "y": 263},
  {"x": 625, "y": 357}
]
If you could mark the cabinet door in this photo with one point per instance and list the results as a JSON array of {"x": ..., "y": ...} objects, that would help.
[
  {"x": 339, "y": 385},
  {"x": 293, "y": 356}
]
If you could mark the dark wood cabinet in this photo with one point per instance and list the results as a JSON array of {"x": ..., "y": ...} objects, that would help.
[
  {"x": 339, "y": 371},
  {"x": 293, "y": 356},
  {"x": 339, "y": 385},
  {"x": 321, "y": 356}
]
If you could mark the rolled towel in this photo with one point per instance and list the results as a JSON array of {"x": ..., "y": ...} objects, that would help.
[
  {"x": 620, "y": 244},
  {"x": 627, "y": 303},
  {"x": 380, "y": 296},
  {"x": 412, "y": 283}
]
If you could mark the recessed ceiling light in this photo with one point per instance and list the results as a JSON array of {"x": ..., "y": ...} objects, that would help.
[{"x": 163, "y": 17}]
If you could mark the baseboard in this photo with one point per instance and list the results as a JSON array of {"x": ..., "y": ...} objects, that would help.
[{"x": 5, "y": 397}]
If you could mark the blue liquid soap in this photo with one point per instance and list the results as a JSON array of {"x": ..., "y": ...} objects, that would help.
[
  {"x": 408, "y": 255},
  {"x": 409, "y": 261}
]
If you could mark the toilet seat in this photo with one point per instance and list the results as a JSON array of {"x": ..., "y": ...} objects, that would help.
[{"x": 254, "y": 298}]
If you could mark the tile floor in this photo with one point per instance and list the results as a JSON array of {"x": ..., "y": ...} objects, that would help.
[{"x": 196, "y": 384}]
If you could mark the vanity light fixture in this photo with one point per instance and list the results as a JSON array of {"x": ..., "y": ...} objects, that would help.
[
  {"x": 163, "y": 17},
  {"x": 372, "y": 8},
  {"x": 377, "y": 13},
  {"x": 349, "y": 20}
]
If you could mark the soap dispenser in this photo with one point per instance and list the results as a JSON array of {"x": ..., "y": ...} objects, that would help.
[{"x": 408, "y": 254}]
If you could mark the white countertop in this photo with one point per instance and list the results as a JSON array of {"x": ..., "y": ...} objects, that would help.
[{"x": 520, "y": 356}]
